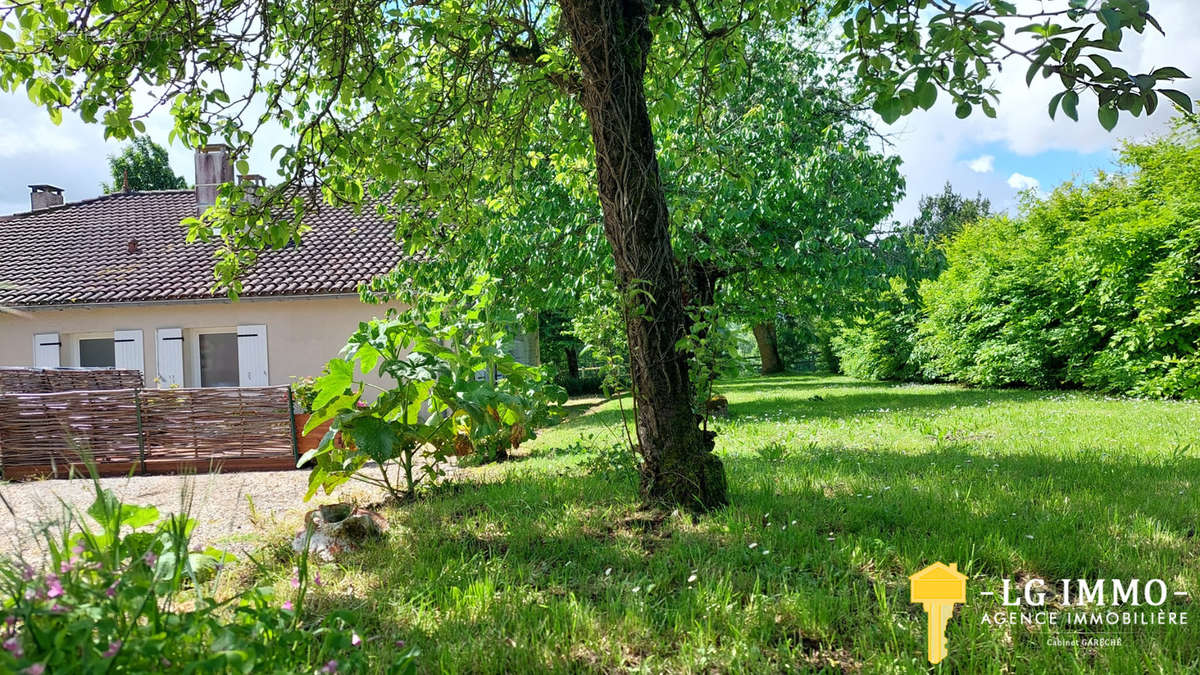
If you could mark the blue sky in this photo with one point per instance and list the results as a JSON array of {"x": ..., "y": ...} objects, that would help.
[
  {"x": 1024, "y": 144},
  {"x": 992, "y": 162},
  {"x": 1026, "y": 147}
]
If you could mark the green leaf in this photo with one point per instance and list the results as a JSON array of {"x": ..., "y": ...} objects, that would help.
[
  {"x": 6, "y": 41},
  {"x": 106, "y": 505},
  {"x": 1168, "y": 73},
  {"x": 1111, "y": 19},
  {"x": 333, "y": 409},
  {"x": 963, "y": 111},
  {"x": 1035, "y": 66},
  {"x": 339, "y": 374},
  {"x": 375, "y": 437},
  {"x": 1178, "y": 97},
  {"x": 889, "y": 109},
  {"x": 1108, "y": 117},
  {"x": 926, "y": 95},
  {"x": 1070, "y": 105},
  {"x": 1054, "y": 101}
]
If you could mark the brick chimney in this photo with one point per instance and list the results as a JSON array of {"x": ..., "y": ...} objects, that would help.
[
  {"x": 214, "y": 166},
  {"x": 44, "y": 196},
  {"x": 253, "y": 184}
]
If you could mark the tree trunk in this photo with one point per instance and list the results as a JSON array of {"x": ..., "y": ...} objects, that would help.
[
  {"x": 699, "y": 291},
  {"x": 612, "y": 39},
  {"x": 768, "y": 347},
  {"x": 572, "y": 362}
]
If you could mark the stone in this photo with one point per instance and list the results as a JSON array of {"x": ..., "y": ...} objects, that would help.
[{"x": 335, "y": 529}]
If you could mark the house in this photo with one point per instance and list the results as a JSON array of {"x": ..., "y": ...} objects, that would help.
[{"x": 111, "y": 282}]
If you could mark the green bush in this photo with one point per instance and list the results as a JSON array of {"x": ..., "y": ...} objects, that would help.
[
  {"x": 1095, "y": 285},
  {"x": 879, "y": 344},
  {"x": 588, "y": 385},
  {"x": 451, "y": 389}
]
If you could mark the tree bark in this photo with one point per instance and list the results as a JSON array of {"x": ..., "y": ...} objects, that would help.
[
  {"x": 572, "y": 362},
  {"x": 612, "y": 40},
  {"x": 768, "y": 347}
]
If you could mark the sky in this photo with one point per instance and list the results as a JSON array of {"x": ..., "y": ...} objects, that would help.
[{"x": 1022, "y": 149}]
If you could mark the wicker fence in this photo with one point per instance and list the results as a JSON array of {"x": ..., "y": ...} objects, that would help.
[
  {"x": 146, "y": 431},
  {"x": 34, "y": 380}
]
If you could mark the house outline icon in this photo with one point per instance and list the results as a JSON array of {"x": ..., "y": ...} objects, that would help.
[{"x": 938, "y": 588}]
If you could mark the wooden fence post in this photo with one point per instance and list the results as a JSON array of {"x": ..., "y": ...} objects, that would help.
[
  {"x": 141, "y": 434},
  {"x": 292, "y": 423}
]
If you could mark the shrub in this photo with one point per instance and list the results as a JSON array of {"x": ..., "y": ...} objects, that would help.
[
  {"x": 616, "y": 463},
  {"x": 131, "y": 597},
  {"x": 304, "y": 392},
  {"x": 587, "y": 385},
  {"x": 879, "y": 344},
  {"x": 453, "y": 390},
  {"x": 1094, "y": 285}
]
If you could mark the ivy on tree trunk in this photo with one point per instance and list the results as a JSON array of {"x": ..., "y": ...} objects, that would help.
[{"x": 612, "y": 39}]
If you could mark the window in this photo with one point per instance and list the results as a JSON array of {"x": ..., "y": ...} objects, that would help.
[
  {"x": 218, "y": 359},
  {"x": 97, "y": 353}
]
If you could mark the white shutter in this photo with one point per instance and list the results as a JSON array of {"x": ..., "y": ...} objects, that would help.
[
  {"x": 520, "y": 349},
  {"x": 128, "y": 351},
  {"x": 46, "y": 349},
  {"x": 252, "y": 356},
  {"x": 168, "y": 356}
]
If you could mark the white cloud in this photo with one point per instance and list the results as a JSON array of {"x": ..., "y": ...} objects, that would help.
[
  {"x": 73, "y": 155},
  {"x": 1019, "y": 181},
  {"x": 933, "y": 144},
  {"x": 983, "y": 164}
]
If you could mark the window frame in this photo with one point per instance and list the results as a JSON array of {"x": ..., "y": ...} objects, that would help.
[
  {"x": 194, "y": 347},
  {"x": 75, "y": 338}
]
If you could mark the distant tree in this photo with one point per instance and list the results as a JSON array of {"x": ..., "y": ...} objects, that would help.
[
  {"x": 142, "y": 166},
  {"x": 943, "y": 215}
]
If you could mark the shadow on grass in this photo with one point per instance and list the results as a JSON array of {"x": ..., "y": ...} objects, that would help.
[
  {"x": 891, "y": 399},
  {"x": 545, "y": 571}
]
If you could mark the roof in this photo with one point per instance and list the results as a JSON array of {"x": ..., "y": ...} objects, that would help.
[
  {"x": 940, "y": 572},
  {"x": 82, "y": 252}
]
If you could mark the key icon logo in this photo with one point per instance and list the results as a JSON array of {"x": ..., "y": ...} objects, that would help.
[{"x": 938, "y": 588}]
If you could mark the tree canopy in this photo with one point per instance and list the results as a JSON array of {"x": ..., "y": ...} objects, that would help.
[
  {"x": 142, "y": 165},
  {"x": 944, "y": 214},
  {"x": 433, "y": 108}
]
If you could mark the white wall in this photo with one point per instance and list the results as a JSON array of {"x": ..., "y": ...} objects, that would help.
[{"x": 302, "y": 333}]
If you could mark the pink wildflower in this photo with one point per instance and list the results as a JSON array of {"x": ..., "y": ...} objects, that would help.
[
  {"x": 13, "y": 646},
  {"x": 355, "y": 640},
  {"x": 27, "y": 573},
  {"x": 111, "y": 591},
  {"x": 113, "y": 648},
  {"x": 295, "y": 578},
  {"x": 54, "y": 587},
  {"x": 78, "y": 548},
  {"x": 316, "y": 577},
  {"x": 150, "y": 558},
  {"x": 35, "y": 669},
  {"x": 330, "y": 667},
  {"x": 288, "y": 605}
]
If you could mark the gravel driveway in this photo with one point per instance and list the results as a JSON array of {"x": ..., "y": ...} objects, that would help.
[{"x": 221, "y": 504}]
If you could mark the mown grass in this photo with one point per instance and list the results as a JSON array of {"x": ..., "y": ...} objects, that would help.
[{"x": 840, "y": 489}]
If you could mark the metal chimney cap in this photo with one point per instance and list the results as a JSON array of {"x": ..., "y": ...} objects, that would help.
[{"x": 46, "y": 188}]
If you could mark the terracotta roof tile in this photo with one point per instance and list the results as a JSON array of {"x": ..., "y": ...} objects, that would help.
[{"x": 79, "y": 253}]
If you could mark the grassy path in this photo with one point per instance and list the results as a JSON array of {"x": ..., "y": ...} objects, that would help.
[{"x": 840, "y": 490}]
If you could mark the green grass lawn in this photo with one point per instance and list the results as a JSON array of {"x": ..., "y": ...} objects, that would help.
[{"x": 839, "y": 489}]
